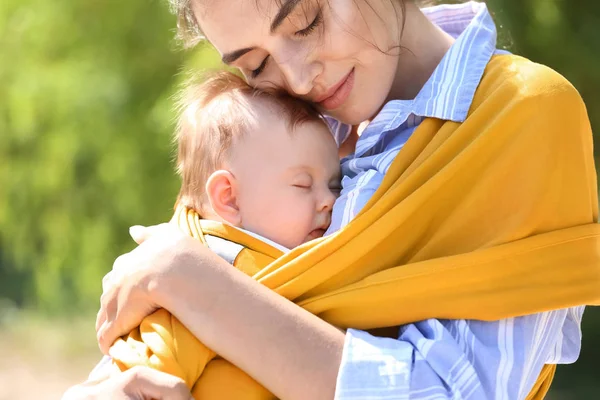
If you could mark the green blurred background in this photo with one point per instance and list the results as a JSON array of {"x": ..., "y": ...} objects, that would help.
[{"x": 85, "y": 150}]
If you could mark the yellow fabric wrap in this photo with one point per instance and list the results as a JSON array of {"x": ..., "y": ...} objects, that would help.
[{"x": 492, "y": 218}]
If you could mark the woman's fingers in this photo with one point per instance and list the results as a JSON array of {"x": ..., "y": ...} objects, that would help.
[
  {"x": 138, "y": 233},
  {"x": 123, "y": 309},
  {"x": 100, "y": 319},
  {"x": 146, "y": 383},
  {"x": 108, "y": 284},
  {"x": 138, "y": 383},
  {"x": 128, "y": 296},
  {"x": 105, "y": 317},
  {"x": 120, "y": 267},
  {"x": 141, "y": 233},
  {"x": 107, "y": 281}
]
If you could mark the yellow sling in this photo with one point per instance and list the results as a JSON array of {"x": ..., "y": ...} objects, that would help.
[{"x": 487, "y": 219}]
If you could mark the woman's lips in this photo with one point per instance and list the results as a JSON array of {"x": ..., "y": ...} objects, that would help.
[{"x": 338, "y": 94}]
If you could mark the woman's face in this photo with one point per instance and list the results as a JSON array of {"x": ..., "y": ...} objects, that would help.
[{"x": 329, "y": 52}]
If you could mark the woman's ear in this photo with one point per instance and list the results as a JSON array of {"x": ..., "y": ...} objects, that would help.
[{"x": 221, "y": 190}]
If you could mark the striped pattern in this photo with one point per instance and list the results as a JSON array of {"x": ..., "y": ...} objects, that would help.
[{"x": 441, "y": 359}]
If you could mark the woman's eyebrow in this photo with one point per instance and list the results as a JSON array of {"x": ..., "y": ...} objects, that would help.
[
  {"x": 228, "y": 58},
  {"x": 285, "y": 10}
]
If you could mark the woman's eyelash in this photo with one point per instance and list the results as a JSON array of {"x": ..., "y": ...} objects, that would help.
[
  {"x": 310, "y": 28},
  {"x": 303, "y": 32},
  {"x": 255, "y": 72}
]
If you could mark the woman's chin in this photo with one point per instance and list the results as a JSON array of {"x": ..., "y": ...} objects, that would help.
[{"x": 354, "y": 113}]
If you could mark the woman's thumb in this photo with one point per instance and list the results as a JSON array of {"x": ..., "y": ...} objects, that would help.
[{"x": 139, "y": 233}]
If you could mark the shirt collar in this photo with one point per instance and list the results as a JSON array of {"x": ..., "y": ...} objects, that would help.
[{"x": 449, "y": 91}]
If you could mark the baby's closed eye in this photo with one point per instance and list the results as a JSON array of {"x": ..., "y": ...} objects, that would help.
[{"x": 303, "y": 181}]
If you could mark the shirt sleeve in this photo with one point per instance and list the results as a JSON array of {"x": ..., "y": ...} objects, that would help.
[{"x": 458, "y": 359}]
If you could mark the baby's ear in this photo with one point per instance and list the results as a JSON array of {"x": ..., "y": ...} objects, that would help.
[{"x": 221, "y": 190}]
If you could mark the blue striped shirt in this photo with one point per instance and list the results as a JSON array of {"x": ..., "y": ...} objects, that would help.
[{"x": 442, "y": 359}]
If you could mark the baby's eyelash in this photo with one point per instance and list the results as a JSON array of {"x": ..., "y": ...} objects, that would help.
[{"x": 303, "y": 186}]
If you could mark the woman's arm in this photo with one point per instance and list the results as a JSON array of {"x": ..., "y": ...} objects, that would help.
[
  {"x": 297, "y": 356},
  {"x": 290, "y": 351},
  {"x": 293, "y": 353}
]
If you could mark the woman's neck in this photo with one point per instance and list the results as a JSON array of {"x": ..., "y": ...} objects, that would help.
[
  {"x": 349, "y": 145},
  {"x": 423, "y": 47}
]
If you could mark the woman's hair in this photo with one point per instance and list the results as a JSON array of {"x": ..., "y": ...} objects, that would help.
[
  {"x": 212, "y": 115},
  {"x": 190, "y": 33},
  {"x": 188, "y": 29}
]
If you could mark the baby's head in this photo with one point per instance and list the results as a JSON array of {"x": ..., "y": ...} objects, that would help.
[{"x": 261, "y": 161}]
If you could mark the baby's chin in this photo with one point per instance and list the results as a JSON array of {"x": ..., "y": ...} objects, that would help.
[{"x": 315, "y": 234}]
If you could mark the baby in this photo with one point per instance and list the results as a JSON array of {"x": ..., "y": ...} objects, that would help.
[
  {"x": 263, "y": 163},
  {"x": 260, "y": 161}
]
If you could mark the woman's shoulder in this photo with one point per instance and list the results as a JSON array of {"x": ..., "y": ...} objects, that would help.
[{"x": 521, "y": 79}]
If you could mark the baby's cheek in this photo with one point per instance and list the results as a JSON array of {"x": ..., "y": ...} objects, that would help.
[
  {"x": 291, "y": 222},
  {"x": 271, "y": 219}
]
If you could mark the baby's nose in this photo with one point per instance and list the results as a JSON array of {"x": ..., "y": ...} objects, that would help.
[{"x": 327, "y": 201}]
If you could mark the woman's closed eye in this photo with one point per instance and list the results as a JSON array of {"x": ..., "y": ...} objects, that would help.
[
  {"x": 312, "y": 26},
  {"x": 256, "y": 72},
  {"x": 316, "y": 22}
]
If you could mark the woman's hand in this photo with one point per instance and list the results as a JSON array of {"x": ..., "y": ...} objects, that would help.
[
  {"x": 130, "y": 288},
  {"x": 291, "y": 352},
  {"x": 138, "y": 383}
]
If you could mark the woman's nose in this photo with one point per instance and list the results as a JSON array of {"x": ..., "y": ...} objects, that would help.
[
  {"x": 298, "y": 77},
  {"x": 299, "y": 71}
]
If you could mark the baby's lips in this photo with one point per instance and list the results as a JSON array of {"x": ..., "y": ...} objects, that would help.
[{"x": 317, "y": 233}]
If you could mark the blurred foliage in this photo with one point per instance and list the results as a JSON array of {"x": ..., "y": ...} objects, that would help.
[
  {"x": 85, "y": 121},
  {"x": 85, "y": 125}
]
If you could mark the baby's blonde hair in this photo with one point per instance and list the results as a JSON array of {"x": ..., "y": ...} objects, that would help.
[{"x": 215, "y": 113}]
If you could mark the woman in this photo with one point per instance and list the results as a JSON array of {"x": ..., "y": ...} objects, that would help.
[{"x": 384, "y": 63}]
